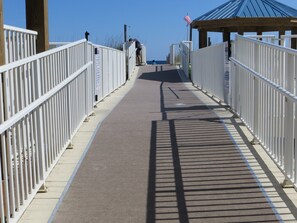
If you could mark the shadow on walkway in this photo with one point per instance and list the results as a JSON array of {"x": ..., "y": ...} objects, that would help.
[{"x": 196, "y": 173}]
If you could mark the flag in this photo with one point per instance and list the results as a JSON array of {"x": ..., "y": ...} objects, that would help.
[{"x": 188, "y": 19}]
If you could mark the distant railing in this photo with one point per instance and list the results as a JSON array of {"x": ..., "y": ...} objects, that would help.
[
  {"x": 44, "y": 100},
  {"x": 185, "y": 50},
  {"x": 209, "y": 70},
  {"x": 143, "y": 54},
  {"x": 110, "y": 70},
  {"x": 174, "y": 57},
  {"x": 263, "y": 89},
  {"x": 130, "y": 50},
  {"x": 19, "y": 43}
]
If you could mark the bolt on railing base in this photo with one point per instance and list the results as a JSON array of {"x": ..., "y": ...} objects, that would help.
[
  {"x": 70, "y": 146},
  {"x": 87, "y": 119},
  {"x": 43, "y": 189},
  {"x": 255, "y": 141},
  {"x": 287, "y": 184},
  {"x": 93, "y": 114},
  {"x": 235, "y": 116}
]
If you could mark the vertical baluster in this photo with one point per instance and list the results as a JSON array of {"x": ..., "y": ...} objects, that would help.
[
  {"x": 295, "y": 118},
  {"x": 5, "y": 178},
  {"x": 32, "y": 124},
  {"x": 2, "y": 199},
  {"x": 3, "y": 190},
  {"x": 10, "y": 46},
  {"x": 28, "y": 123},
  {"x": 69, "y": 104},
  {"x": 24, "y": 131},
  {"x": 9, "y": 111},
  {"x": 6, "y": 45},
  {"x": 40, "y": 131},
  {"x": 288, "y": 153},
  {"x": 15, "y": 88}
]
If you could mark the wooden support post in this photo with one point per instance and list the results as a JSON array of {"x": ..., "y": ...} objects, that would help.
[
  {"x": 259, "y": 33},
  {"x": 202, "y": 38},
  {"x": 2, "y": 41},
  {"x": 280, "y": 33},
  {"x": 191, "y": 33},
  {"x": 227, "y": 38},
  {"x": 294, "y": 40},
  {"x": 37, "y": 19},
  {"x": 125, "y": 33}
]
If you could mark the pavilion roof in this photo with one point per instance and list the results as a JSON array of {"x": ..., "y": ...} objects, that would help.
[{"x": 249, "y": 9}]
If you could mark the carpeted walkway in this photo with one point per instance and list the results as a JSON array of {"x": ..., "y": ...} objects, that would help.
[{"x": 163, "y": 156}]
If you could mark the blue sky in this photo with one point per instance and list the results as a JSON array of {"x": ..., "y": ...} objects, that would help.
[{"x": 156, "y": 23}]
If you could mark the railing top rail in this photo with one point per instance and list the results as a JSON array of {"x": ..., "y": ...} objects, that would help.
[
  {"x": 289, "y": 36},
  {"x": 285, "y": 49},
  {"x": 260, "y": 36},
  {"x": 12, "y": 28},
  {"x": 21, "y": 62}
]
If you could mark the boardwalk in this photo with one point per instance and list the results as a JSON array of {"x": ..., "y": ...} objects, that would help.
[{"x": 164, "y": 156}]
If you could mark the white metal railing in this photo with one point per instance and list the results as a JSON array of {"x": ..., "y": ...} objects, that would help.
[
  {"x": 19, "y": 43},
  {"x": 44, "y": 99},
  {"x": 130, "y": 57},
  {"x": 185, "y": 51},
  {"x": 263, "y": 89},
  {"x": 143, "y": 54},
  {"x": 174, "y": 54},
  {"x": 286, "y": 40},
  {"x": 209, "y": 70},
  {"x": 110, "y": 70}
]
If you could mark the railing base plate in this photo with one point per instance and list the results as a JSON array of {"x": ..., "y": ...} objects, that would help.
[
  {"x": 235, "y": 116},
  {"x": 70, "y": 146},
  {"x": 43, "y": 189},
  {"x": 255, "y": 141},
  {"x": 287, "y": 184}
]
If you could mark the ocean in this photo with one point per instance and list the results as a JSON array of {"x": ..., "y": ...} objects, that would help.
[{"x": 156, "y": 62}]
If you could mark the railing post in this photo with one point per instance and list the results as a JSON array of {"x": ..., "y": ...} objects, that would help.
[
  {"x": 40, "y": 131},
  {"x": 289, "y": 117},
  {"x": 86, "y": 80},
  {"x": 69, "y": 116},
  {"x": 256, "y": 95},
  {"x": 2, "y": 208}
]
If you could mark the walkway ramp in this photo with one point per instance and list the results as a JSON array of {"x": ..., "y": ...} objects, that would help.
[{"x": 162, "y": 155}]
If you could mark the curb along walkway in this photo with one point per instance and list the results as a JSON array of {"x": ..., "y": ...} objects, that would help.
[{"x": 163, "y": 155}]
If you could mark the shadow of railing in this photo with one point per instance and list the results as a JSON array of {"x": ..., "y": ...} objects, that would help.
[{"x": 196, "y": 172}]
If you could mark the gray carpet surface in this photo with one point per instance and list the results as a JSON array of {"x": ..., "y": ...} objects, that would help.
[{"x": 163, "y": 156}]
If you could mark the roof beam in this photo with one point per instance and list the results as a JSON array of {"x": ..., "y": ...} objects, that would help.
[{"x": 245, "y": 24}]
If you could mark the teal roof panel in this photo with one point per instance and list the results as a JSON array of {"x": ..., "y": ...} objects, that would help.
[{"x": 249, "y": 9}]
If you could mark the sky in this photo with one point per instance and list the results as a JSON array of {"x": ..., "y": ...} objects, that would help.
[{"x": 155, "y": 23}]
